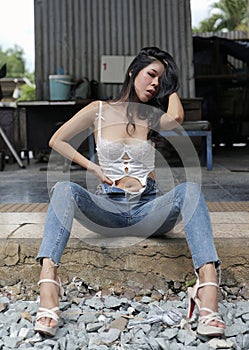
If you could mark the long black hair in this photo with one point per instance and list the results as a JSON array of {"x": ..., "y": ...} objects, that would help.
[{"x": 168, "y": 85}]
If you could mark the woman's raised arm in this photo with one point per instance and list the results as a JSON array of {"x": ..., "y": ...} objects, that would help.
[{"x": 174, "y": 115}]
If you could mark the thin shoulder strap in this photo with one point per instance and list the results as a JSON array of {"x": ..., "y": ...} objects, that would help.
[{"x": 99, "y": 122}]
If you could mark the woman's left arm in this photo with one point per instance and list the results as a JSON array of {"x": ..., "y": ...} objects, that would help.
[{"x": 174, "y": 115}]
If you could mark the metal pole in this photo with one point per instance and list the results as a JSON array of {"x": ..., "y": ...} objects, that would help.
[
  {"x": 248, "y": 19},
  {"x": 2, "y": 133}
]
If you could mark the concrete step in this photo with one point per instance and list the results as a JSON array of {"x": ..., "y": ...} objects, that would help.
[{"x": 103, "y": 262}]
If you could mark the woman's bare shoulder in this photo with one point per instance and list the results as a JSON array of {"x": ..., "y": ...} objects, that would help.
[{"x": 96, "y": 104}]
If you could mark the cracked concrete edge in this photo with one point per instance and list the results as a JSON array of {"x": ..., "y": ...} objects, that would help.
[{"x": 158, "y": 260}]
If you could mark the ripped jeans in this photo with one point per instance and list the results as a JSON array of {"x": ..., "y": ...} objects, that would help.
[{"x": 114, "y": 212}]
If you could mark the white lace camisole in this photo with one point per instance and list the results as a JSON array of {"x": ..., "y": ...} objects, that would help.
[{"x": 140, "y": 157}]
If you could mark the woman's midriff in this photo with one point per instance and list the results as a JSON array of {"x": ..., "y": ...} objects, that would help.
[{"x": 131, "y": 184}]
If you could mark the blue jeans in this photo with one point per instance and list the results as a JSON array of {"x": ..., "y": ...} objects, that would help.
[{"x": 114, "y": 212}]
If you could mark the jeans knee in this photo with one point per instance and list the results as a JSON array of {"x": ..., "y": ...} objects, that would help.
[
  {"x": 72, "y": 191},
  {"x": 62, "y": 190},
  {"x": 189, "y": 187},
  {"x": 194, "y": 188},
  {"x": 189, "y": 192},
  {"x": 61, "y": 186}
]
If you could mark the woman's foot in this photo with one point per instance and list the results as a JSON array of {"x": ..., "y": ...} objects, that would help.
[
  {"x": 50, "y": 293},
  {"x": 204, "y": 295},
  {"x": 208, "y": 295}
]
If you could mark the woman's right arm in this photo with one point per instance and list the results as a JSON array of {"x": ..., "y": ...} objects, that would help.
[{"x": 80, "y": 122}]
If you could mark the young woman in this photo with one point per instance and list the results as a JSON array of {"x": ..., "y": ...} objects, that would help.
[{"x": 127, "y": 199}]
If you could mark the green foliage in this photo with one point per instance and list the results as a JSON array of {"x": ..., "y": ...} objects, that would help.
[
  {"x": 229, "y": 15},
  {"x": 208, "y": 24},
  {"x": 190, "y": 283},
  {"x": 14, "y": 60},
  {"x": 27, "y": 93},
  {"x": 30, "y": 76}
]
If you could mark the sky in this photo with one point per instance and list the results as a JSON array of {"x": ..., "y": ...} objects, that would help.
[
  {"x": 17, "y": 25},
  {"x": 200, "y": 9},
  {"x": 17, "y": 28}
]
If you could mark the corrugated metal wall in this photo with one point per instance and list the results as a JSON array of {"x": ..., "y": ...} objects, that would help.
[
  {"x": 234, "y": 34},
  {"x": 74, "y": 34}
]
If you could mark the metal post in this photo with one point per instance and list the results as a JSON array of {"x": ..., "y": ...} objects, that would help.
[
  {"x": 248, "y": 18},
  {"x": 2, "y": 133}
]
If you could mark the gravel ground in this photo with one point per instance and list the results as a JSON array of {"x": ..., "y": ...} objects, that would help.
[{"x": 118, "y": 320}]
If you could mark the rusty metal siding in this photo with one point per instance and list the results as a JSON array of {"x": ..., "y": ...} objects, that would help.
[
  {"x": 74, "y": 34},
  {"x": 232, "y": 35}
]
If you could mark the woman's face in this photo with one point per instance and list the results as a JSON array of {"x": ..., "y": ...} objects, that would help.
[{"x": 147, "y": 82}]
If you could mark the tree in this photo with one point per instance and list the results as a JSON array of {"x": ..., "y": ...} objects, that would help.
[
  {"x": 229, "y": 15},
  {"x": 27, "y": 93},
  {"x": 14, "y": 60}
]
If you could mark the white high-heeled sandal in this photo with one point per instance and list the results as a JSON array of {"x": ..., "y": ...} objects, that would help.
[
  {"x": 204, "y": 327},
  {"x": 49, "y": 313}
]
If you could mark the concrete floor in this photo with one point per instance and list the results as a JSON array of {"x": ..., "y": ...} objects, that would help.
[{"x": 228, "y": 181}]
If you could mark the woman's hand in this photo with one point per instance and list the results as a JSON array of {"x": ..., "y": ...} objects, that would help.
[{"x": 99, "y": 173}]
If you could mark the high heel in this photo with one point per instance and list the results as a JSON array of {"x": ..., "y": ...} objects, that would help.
[
  {"x": 49, "y": 313},
  {"x": 204, "y": 327}
]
